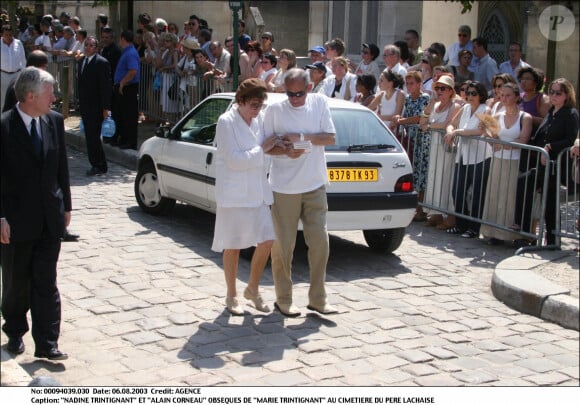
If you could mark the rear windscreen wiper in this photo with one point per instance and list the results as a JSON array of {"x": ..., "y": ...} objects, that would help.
[{"x": 361, "y": 148}]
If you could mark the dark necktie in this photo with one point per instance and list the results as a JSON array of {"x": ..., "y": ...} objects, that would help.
[{"x": 36, "y": 140}]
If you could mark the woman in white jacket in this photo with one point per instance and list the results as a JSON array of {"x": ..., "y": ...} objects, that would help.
[
  {"x": 342, "y": 83},
  {"x": 243, "y": 194}
]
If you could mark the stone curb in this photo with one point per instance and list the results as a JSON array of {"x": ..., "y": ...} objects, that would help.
[
  {"x": 517, "y": 286},
  {"x": 124, "y": 157}
]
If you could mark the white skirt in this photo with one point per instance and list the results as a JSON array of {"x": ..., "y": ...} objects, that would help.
[{"x": 242, "y": 227}]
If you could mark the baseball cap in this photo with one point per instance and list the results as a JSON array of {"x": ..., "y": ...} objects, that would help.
[
  {"x": 317, "y": 48},
  {"x": 316, "y": 65}
]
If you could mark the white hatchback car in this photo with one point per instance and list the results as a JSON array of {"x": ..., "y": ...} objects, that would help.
[{"x": 370, "y": 176}]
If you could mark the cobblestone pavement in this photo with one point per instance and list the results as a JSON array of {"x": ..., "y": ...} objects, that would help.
[{"x": 143, "y": 304}]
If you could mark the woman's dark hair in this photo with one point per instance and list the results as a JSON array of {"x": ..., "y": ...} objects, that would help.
[
  {"x": 251, "y": 88},
  {"x": 537, "y": 74},
  {"x": 405, "y": 54},
  {"x": 397, "y": 79},
  {"x": 199, "y": 50},
  {"x": 271, "y": 58},
  {"x": 480, "y": 88},
  {"x": 336, "y": 44},
  {"x": 257, "y": 46},
  {"x": 368, "y": 81}
]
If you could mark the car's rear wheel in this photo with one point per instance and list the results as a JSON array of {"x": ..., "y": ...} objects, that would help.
[
  {"x": 148, "y": 193},
  {"x": 384, "y": 240}
]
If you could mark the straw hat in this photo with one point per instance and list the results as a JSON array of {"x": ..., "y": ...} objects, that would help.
[
  {"x": 190, "y": 43},
  {"x": 447, "y": 81}
]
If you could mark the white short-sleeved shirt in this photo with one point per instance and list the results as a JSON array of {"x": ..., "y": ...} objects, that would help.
[{"x": 308, "y": 172}]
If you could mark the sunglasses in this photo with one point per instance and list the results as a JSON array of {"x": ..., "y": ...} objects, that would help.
[
  {"x": 555, "y": 92},
  {"x": 298, "y": 94},
  {"x": 471, "y": 93},
  {"x": 440, "y": 88}
]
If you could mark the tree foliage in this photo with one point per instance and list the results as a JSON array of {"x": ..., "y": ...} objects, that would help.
[{"x": 467, "y": 4}]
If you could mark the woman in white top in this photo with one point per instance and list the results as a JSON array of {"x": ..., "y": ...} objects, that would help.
[
  {"x": 368, "y": 64},
  {"x": 435, "y": 119},
  {"x": 286, "y": 61},
  {"x": 342, "y": 84},
  {"x": 472, "y": 161},
  {"x": 497, "y": 82},
  {"x": 269, "y": 70},
  {"x": 389, "y": 101},
  {"x": 243, "y": 194},
  {"x": 500, "y": 202}
]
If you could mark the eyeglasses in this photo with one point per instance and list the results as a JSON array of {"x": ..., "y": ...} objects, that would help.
[
  {"x": 298, "y": 94},
  {"x": 440, "y": 88},
  {"x": 471, "y": 93},
  {"x": 387, "y": 54},
  {"x": 256, "y": 106},
  {"x": 556, "y": 92}
]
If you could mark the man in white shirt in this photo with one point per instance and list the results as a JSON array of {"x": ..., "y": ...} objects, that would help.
[
  {"x": 221, "y": 67},
  {"x": 486, "y": 65},
  {"x": 13, "y": 59},
  {"x": 392, "y": 56},
  {"x": 298, "y": 178},
  {"x": 464, "y": 42},
  {"x": 513, "y": 65}
]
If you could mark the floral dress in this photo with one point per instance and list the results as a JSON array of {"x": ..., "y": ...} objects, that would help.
[{"x": 419, "y": 141}]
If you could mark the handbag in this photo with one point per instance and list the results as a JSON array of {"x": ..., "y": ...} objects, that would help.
[
  {"x": 157, "y": 81},
  {"x": 173, "y": 92}
]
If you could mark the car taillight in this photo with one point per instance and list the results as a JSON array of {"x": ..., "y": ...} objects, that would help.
[{"x": 404, "y": 184}]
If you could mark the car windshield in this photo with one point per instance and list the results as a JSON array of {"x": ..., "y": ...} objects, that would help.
[{"x": 358, "y": 130}]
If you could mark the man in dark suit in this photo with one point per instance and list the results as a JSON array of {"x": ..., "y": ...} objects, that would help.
[
  {"x": 95, "y": 85},
  {"x": 36, "y": 58},
  {"x": 35, "y": 207}
]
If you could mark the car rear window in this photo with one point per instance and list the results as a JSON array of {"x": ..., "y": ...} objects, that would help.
[{"x": 357, "y": 127}]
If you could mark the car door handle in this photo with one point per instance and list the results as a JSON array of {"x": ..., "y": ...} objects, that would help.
[{"x": 209, "y": 158}]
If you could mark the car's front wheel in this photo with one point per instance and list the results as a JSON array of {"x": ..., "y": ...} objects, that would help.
[
  {"x": 384, "y": 240},
  {"x": 148, "y": 193}
]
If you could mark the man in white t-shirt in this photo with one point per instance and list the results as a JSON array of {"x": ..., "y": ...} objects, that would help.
[{"x": 298, "y": 178}]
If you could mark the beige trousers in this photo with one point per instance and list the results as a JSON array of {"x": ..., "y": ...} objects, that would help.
[{"x": 311, "y": 208}]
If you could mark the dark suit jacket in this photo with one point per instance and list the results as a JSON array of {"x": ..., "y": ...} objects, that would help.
[
  {"x": 95, "y": 87},
  {"x": 34, "y": 192}
]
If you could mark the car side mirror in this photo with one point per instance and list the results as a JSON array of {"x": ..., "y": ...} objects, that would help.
[{"x": 162, "y": 131}]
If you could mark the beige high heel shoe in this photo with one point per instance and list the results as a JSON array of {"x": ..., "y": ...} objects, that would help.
[
  {"x": 257, "y": 300},
  {"x": 234, "y": 306}
]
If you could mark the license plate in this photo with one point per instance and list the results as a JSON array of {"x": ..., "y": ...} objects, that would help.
[{"x": 353, "y": 174}]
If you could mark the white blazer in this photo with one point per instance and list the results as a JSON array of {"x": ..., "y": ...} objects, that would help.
[
  {"x": 348, "y": 81},
  {"x": 241, "y": 179}
]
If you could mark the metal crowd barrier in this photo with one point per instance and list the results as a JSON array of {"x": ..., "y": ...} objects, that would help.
[
  {"x": 499, "y": 193},
  {"x": 64, "y": 70},
  {"x": 155, "y": 101},
  {"x": 568, "y": 197},
  {"x": 169, "y": 96}
]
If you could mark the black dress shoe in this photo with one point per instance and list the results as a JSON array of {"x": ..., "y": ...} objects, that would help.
[
  {"x": 51, "y": 354},
  {"x": 15, "y": 345},
  {"x": 95, "y": 171},
  {"x": 70, "y": 237},
  {"x": 128, "y": 146}
]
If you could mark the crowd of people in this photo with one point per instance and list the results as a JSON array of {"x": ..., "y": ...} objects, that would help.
[{"x": 438, "y": 101}]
